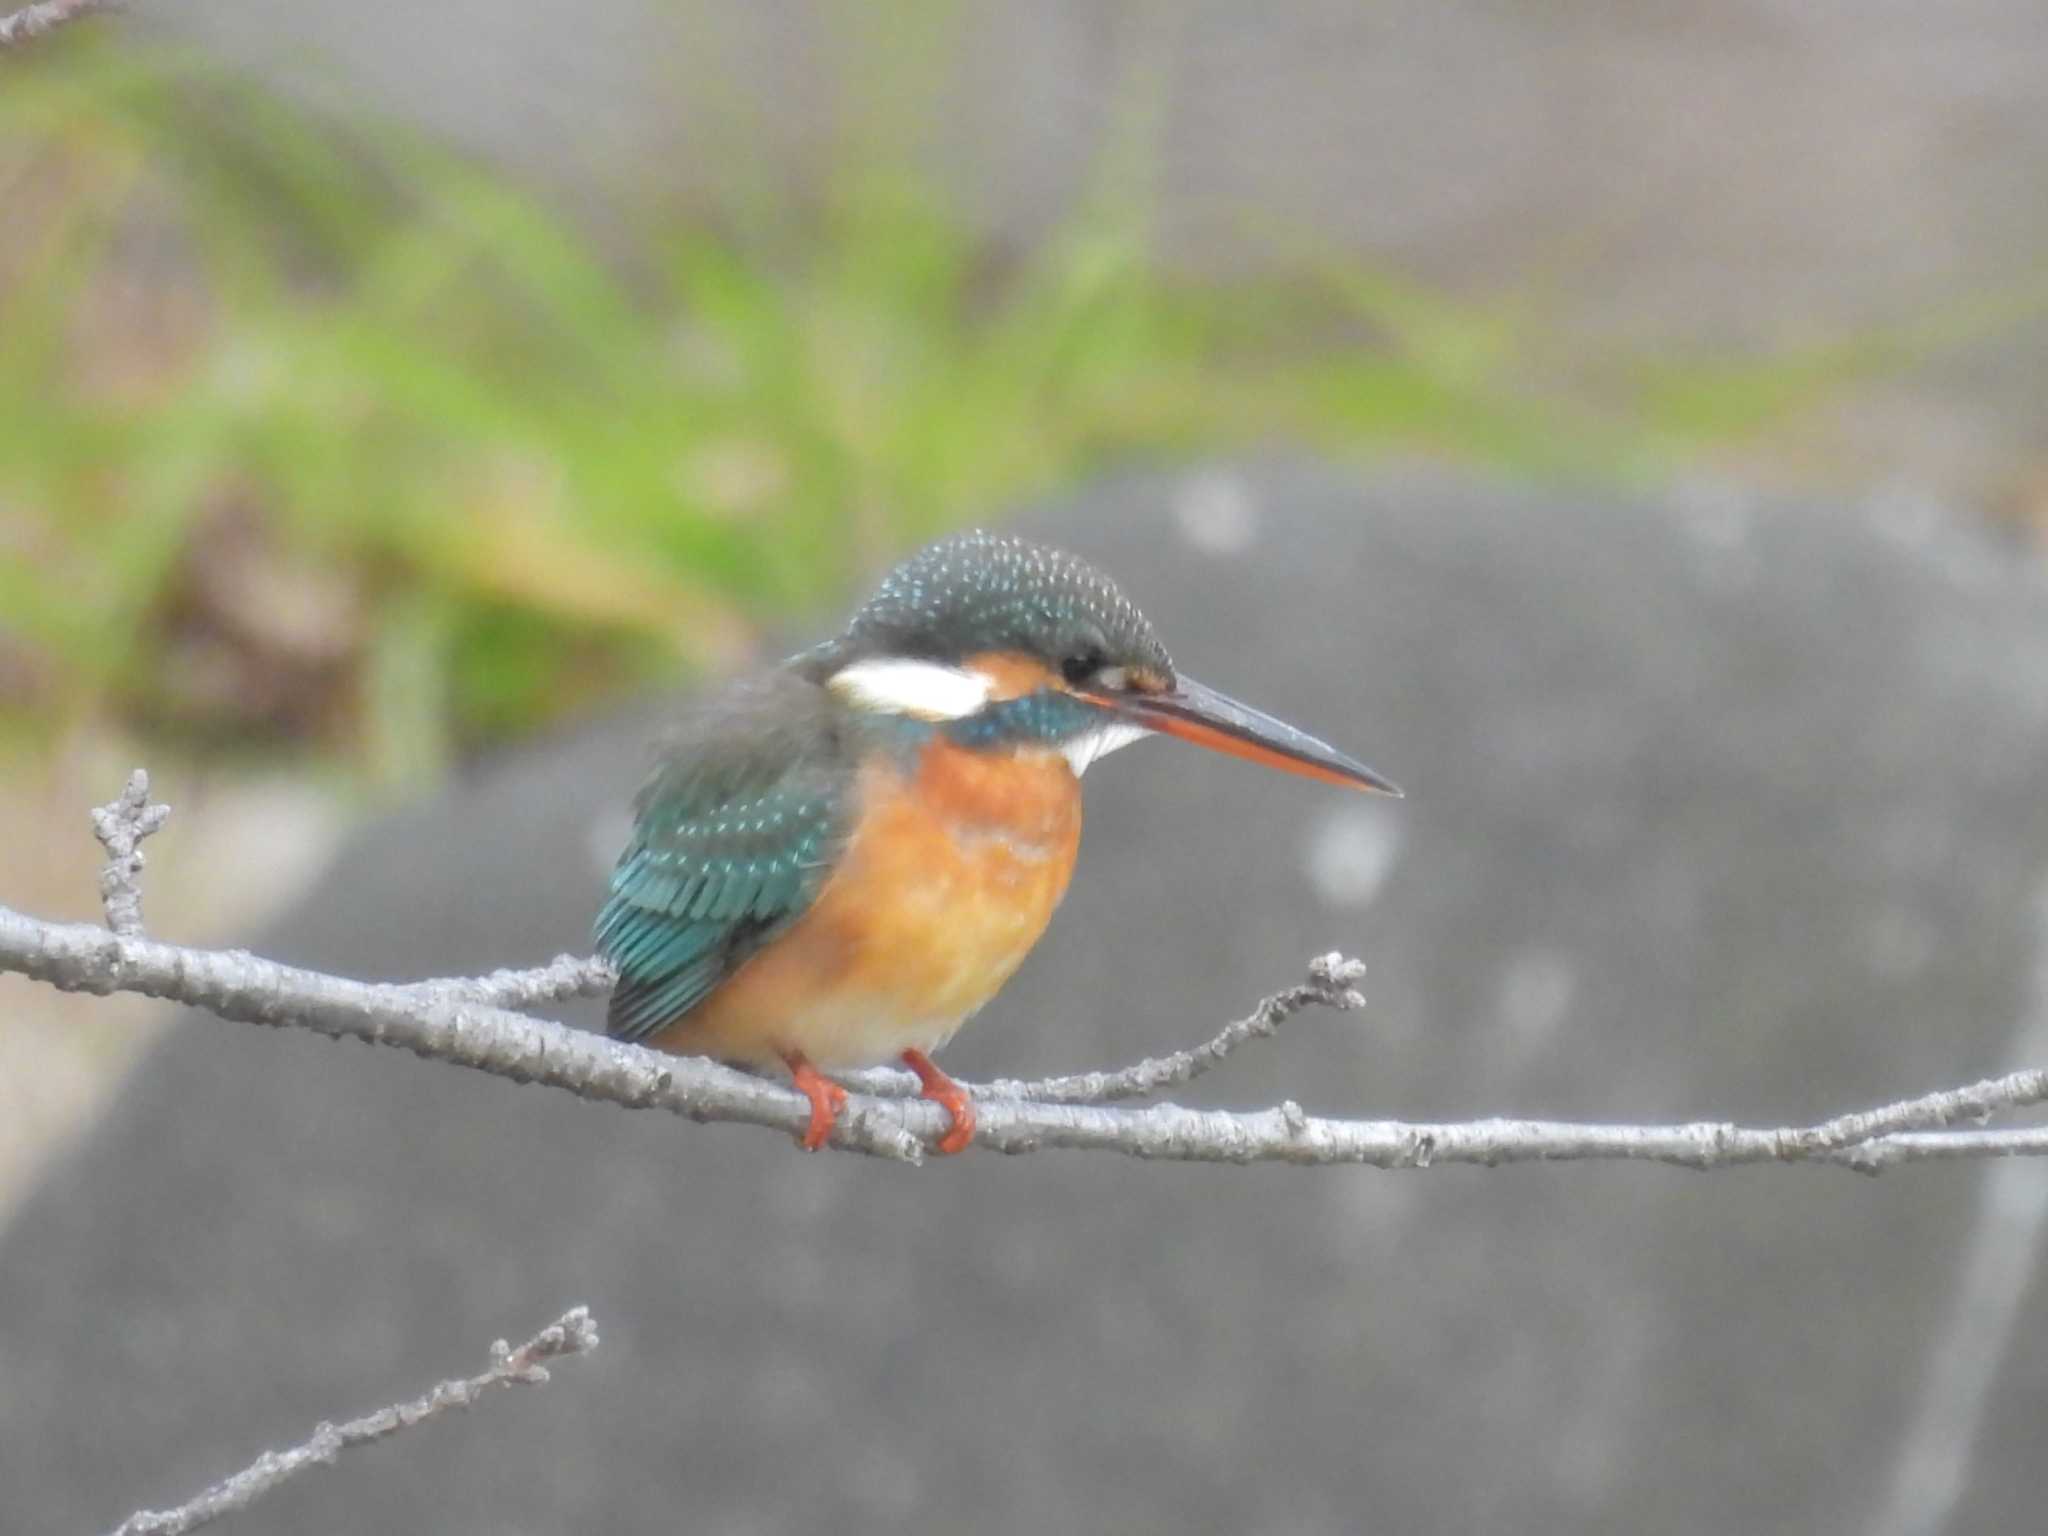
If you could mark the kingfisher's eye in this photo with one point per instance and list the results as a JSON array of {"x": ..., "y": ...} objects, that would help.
[{"x": 1082, "y": 665}]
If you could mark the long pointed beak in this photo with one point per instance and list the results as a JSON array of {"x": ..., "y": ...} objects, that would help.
[{"x": 1209, "y": 719}]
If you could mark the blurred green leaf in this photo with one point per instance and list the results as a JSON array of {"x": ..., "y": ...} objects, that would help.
[{"x": 551, "y": 472}]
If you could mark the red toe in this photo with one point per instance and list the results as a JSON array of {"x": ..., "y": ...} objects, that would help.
[
  {"x": 827, "y": 1099},
  {"x": 943, "y": 1091}
]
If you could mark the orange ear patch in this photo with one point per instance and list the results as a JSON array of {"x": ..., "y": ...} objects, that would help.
[{"x": 1011, "y": 674}]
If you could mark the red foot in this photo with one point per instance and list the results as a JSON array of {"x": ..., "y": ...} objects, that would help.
[
  {"x": 827, "y": 1098},
  {"x": 941, "y": 1089}
]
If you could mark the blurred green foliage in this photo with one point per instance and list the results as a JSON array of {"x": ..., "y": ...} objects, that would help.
[{"x": 328, "y": 438}]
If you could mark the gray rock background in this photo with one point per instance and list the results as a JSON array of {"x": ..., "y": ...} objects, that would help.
[
  {"x": 1754, "y": 177},
  {"x": 1718, "y": 808}
]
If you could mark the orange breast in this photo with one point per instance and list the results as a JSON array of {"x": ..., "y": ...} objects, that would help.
[{"x": 951, "y": 877}]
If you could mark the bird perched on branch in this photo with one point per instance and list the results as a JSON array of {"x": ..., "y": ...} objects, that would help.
[{"x": 836, "y": 864}]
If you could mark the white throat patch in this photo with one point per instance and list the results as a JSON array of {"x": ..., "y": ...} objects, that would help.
[
  {"x": 1083, "y": 750},
  {"x": 924, "y": 690}
]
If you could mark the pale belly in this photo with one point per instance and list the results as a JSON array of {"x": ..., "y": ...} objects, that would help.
[{"x": 949, "y": 883}]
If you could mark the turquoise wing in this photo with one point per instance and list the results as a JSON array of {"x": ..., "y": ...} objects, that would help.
[{"x": 733, "y": 837}]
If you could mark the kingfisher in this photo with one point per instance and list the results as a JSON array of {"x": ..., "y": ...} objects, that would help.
[{"x": 837, "y": 863}]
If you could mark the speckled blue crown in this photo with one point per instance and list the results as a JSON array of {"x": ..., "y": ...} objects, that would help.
[{"x": 992, "y": 592}]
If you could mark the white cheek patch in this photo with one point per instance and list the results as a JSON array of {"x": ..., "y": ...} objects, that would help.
[
  {"x": 1083, "y": 750},
  {"x": 924, "y": 690}
]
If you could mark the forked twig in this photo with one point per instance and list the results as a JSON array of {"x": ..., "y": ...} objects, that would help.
[{"x": 571, "y": 1334}]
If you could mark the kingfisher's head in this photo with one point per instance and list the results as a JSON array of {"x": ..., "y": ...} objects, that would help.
[{"x": 1007, "y": 643}]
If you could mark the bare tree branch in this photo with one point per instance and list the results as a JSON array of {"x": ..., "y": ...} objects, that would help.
[
  {"x": 121, "y": 825},
  {"x": 465, "y": 1022},
  {"x": 571, "y": 1334},
  {"x": 33, "y": 21},
  {"x": 239, "y": 986}
]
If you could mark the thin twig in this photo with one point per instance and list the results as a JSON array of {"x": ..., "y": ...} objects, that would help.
[
  {"x": 1331, "y": 983},
  {"x": 562, "y": 977},
  {"x": 33, "y": 21},
  {"x": 1977, "y": 1102},
  {"x": 572, "y": 1334},
  {"x": 121, "y": 825}
]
